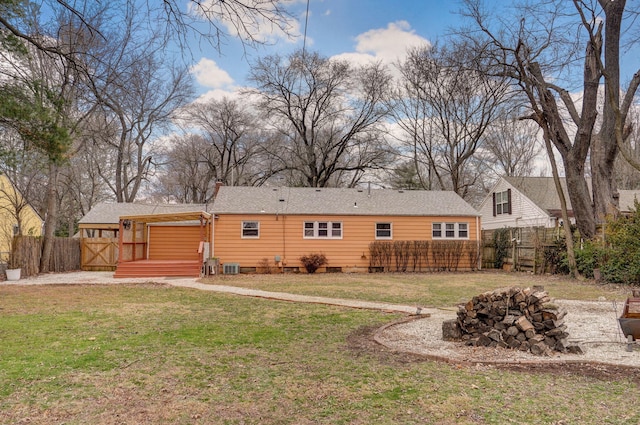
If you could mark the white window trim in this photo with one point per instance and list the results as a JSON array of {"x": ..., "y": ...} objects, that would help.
[
  {"x": 456, "y": 230},
  {"x": 242, "y": 229},
  {"x": 504, "y": 202},
  {"x": 316, "y": 230},
  {"x": 390, "y": 230}
]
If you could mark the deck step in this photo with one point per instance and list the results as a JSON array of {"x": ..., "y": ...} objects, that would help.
[{"x": 148, "y": 268}]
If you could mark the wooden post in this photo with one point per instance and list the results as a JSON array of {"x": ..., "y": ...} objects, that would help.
[{"x": 120, "y": 242}]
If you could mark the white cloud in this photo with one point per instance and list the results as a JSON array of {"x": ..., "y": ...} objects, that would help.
[
  {"x": 209, "y": 74},
  {"x": 387, "y": 45},
  {"x": 390, "y": 43},
  {"x": 219, "y": 94}
]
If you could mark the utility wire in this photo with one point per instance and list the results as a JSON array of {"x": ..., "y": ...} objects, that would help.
[{"x": 306, "y": 21}]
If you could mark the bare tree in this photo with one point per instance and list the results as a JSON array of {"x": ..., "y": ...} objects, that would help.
[
  {"x": 81, "y": 183},
  {"x": 186, "y": 176},
  {"x": 448, "y": 101},
  {"x": 213, "y": 21},
  {"x": 137, "y": 95},
  {"x": 627, "y": 176},
  {"x": 538, "y": 51},
  {"x": 328, "y": 116},
  {"x": 513, "y": 146},
  {"x": 231, "y": 135},
  {"x": 43, "y": 102}
]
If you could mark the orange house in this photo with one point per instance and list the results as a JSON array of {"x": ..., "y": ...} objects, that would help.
[{"x": 356, "y": 229}]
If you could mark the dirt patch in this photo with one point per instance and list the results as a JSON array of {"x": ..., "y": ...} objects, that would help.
[{"x": 362, "y": 342}]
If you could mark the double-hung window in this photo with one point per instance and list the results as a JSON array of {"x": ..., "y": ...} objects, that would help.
[
  {"x": 250, "y": 229},
  {"x": 450, "y": 231},
  {"x": 502, "y": 202},
  {"x": 463, "y": 231},
  {"x": 322, "y": 230},
  {"x": 383, "y": 231}
]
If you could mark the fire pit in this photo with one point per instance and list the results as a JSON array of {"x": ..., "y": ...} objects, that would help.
[{"x": 630, "y": 318}]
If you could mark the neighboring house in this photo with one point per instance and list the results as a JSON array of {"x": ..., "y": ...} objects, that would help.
[
  {"x": 254, "y": 226},
  {"x": 532, "y": 202},
  {"x": 166, "y": 230},
  {"x": 627, "y": 200},
  {"x": 16, "y": 216}
]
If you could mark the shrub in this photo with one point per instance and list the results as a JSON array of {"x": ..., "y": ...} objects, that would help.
[
  {"x": 621, "y": 259},
  {"x": 555, "y": 257},
  {"x": 264, "y": 266},
  {"x": 501, "y": 244},
  {"x": 313, "y": 261},
  {"x": 590, "y": 257}
]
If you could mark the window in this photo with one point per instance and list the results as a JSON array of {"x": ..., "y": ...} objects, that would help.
[
  {"x": 502, "y": 202},
  {"x": 383, "y": 230},
  {"x": 251, "y": 229},
  {"x": 437, "y": 230},
  {"x": 309, "y": 229},
  {"x": 463, "y": 233},
  {"x": 450, "y": 231},
  {"x": 322, "y": 230},
  {"x": 336, "y": 230}
]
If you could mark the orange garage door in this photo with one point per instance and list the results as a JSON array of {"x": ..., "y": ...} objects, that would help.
[{"x": 174, "y": 242}]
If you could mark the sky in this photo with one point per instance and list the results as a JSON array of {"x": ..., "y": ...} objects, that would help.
[
  {"x": 348, "y": 29},
  {"x": 356, "y": 30}
]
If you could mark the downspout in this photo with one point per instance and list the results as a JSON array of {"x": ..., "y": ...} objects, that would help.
[
  {"x": 211, "y": 234},
  {"x": 284, "y": 243}
]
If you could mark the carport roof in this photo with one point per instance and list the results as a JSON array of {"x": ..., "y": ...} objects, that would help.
[
  {"x": 106, "y": 215},
  {"x": 164, "y": 218}
]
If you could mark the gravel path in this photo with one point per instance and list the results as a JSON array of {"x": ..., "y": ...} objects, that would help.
[{"x": 591, "y": 325}]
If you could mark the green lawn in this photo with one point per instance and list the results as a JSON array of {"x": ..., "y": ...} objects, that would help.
[{"x": 133, "y": 354}]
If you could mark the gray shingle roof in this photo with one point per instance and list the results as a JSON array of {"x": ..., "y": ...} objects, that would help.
[
  {"x": 541, "y": 191},
  {"x": 336, "y": 201},
  {"x": 108, "y": 213}
]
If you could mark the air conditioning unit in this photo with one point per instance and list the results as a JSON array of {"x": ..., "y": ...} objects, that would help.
[{"x": 230, "y": 268}]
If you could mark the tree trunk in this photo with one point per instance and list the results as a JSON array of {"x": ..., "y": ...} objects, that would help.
[
  {"x": 568, "y": 235},
  {"x": 604, "y": 147},
  {"x": 580, "y": 198},
  {"x": 51, "y": 218},
  {"x": 574, "y": 154}
]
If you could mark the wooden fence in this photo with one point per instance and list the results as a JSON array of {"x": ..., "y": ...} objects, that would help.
[
  {"x": 99, "y": 254},
  {"x": 525, "y": 250},
  {"x": 27, "y": 251}
]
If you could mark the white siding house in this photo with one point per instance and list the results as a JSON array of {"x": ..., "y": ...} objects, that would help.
[
  {"x": 534, "y": 202},
  {"x": 522, "y": 202}
]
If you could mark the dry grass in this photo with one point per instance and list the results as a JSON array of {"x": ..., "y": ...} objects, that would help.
[
  {"x": 427, "y": 289},
  {"x": 153, "y": 354}
]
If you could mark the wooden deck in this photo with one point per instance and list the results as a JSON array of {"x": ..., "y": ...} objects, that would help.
[{"x": 159, "y": 268}]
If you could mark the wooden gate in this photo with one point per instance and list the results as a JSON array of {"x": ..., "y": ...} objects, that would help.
[{"x": 99, "y": 254}]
